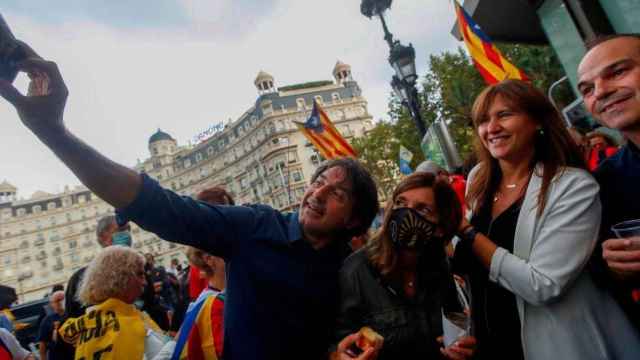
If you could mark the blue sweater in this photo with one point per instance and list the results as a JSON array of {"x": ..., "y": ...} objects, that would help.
[{"x": 282, "y": 295}]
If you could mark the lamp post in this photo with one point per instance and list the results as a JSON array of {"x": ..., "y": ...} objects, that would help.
[{"x": 403, "y": 60}]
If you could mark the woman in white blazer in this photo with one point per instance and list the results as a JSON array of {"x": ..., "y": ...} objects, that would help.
[{"x": 533, "y": 225}]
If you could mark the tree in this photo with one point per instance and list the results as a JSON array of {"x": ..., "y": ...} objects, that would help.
[
  {"x": 377, "y": 151},
  {"x": 447, "y": 92}
]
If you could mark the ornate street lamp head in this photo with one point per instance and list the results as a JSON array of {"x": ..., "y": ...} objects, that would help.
[
  {"x": 399, "y": 89},
  {"x": 403, "y": 61},
  {"x": 371, "y": 8}
]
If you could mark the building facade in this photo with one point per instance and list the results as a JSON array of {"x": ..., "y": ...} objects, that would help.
[{"x": 260, "y": 157}]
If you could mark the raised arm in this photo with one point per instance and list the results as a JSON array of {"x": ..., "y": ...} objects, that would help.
[{"x": 42, "y": 110}]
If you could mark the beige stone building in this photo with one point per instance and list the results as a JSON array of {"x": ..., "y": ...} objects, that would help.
[{"x": 260, "y": 157}]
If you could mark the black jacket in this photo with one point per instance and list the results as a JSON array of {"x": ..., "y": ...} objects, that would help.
[{"x": 409, "y": 326}]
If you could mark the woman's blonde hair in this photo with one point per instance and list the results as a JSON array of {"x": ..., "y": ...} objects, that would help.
[{"x": 108, "y": 275}]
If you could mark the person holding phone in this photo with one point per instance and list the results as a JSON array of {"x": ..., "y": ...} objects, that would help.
[{"x": 294, "y": 256}]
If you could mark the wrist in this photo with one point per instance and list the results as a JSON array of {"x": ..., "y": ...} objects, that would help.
[{"x": 468, "y": 234}]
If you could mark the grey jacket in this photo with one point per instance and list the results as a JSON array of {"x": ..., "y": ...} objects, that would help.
[{"x": 563, "y": 315}]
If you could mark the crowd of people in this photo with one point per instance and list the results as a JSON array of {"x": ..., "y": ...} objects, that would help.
[{"x": 525, "y": 259}]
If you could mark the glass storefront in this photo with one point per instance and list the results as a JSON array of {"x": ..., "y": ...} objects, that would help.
[{"x": 624, "y": 15}]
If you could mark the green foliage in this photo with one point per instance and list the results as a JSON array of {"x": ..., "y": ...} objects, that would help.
[
  {"x": 377, "y": 151},
  {"x": 448, "y": 91}
]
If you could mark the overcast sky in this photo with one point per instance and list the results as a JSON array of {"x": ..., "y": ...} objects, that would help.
[{"x": 182, "y": 65}]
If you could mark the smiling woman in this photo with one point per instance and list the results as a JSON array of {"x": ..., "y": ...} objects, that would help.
[{"x": 533, "y": 225}]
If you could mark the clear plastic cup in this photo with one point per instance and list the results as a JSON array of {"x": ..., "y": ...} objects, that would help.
[{"x": 627, "y": 229}]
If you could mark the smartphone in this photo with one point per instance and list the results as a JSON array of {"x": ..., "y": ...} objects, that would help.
[{"x": 10, "y": 52}]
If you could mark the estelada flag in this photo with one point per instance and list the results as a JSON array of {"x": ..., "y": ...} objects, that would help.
[
  {"x": 486, "y": 57},
  {"x": 319, "y": 130}
]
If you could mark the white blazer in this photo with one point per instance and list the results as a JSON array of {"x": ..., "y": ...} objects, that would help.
[{"x": 563, "y": 315}]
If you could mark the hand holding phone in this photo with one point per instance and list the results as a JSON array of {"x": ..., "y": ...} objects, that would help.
[{"x": 11, "y": 52}]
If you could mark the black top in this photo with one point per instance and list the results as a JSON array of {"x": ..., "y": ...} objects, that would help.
[
  {"x": 409, "y": 326},
  {"x": 56, "y": 349},
  {"x": 619, "y": 179},
  {"x": 494, "y": 310},
  {"x": 72, "y": 306}
]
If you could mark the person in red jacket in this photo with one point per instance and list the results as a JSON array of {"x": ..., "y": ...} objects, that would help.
[{"x": 601, "y": 147}]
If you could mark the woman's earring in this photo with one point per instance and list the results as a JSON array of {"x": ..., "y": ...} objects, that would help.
[{"x": 541, "y": 131}]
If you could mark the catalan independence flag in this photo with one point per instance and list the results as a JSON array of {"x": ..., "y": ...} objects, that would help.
[
  {"x": 319, "y": 130},
  {"x": 487, "y": 58}
]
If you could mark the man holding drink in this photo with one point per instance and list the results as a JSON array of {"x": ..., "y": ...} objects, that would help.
[{"x": 609, "y": 81}]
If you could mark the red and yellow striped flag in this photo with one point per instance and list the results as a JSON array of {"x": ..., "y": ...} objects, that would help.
[
  {"x": 486, "y": 57},
  {"x": 319, "y": 130}
]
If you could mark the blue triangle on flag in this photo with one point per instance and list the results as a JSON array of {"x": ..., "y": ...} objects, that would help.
[{"x": 313, "y": 123}]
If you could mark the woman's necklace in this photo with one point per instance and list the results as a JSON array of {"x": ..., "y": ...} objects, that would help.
[{"x": 512, "y": 186}]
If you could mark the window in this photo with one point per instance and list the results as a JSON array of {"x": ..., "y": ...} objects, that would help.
[
  {"x": 21, "y": 211},
  {"x": 73, "y": 244},
  {"x": 292, "y": 156},
  {"x": 37, "y": 209},
  {"x": 301, "y": 104},
  {"x": 297, "y": 175},
  {"x": 315, "y": 159},
  {"x": 198, "y": 157},
  {"x": 51, "y": 206}
]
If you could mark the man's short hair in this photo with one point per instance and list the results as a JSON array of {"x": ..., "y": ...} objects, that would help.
[
  {"x": 216, "y": 195},
  {"x": 103, "y": 224},
  {"x": 365, "y": 193},
  {"x": 602, "y": 38}
]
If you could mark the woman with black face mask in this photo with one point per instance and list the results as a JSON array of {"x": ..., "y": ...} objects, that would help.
[{"x": 397, "y": 283}]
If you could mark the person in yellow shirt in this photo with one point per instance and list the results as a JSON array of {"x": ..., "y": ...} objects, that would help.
[{"x": 112, "y": 327}]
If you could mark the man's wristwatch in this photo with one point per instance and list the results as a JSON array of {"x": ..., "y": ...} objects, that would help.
[{"x": 468, "y": 235}]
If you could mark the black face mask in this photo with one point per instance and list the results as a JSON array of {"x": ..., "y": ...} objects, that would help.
[{"x": 410, "y": 230}]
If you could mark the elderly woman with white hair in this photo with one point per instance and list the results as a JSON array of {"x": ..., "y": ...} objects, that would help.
[{"x": 112, "y": 327}]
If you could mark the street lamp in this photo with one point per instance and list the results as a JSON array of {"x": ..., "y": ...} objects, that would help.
[{"x": 403, "y": 60}]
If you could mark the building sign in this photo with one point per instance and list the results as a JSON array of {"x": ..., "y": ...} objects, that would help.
[{"x": 207, "y": 133}]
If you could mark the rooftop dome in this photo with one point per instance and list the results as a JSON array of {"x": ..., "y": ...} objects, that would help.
[
  {"x": 262, "y": 76},
  {"x": 340, "y": 66},
  {"x": 160, "y": 135},
  {"x": 5, "y": 187}
]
